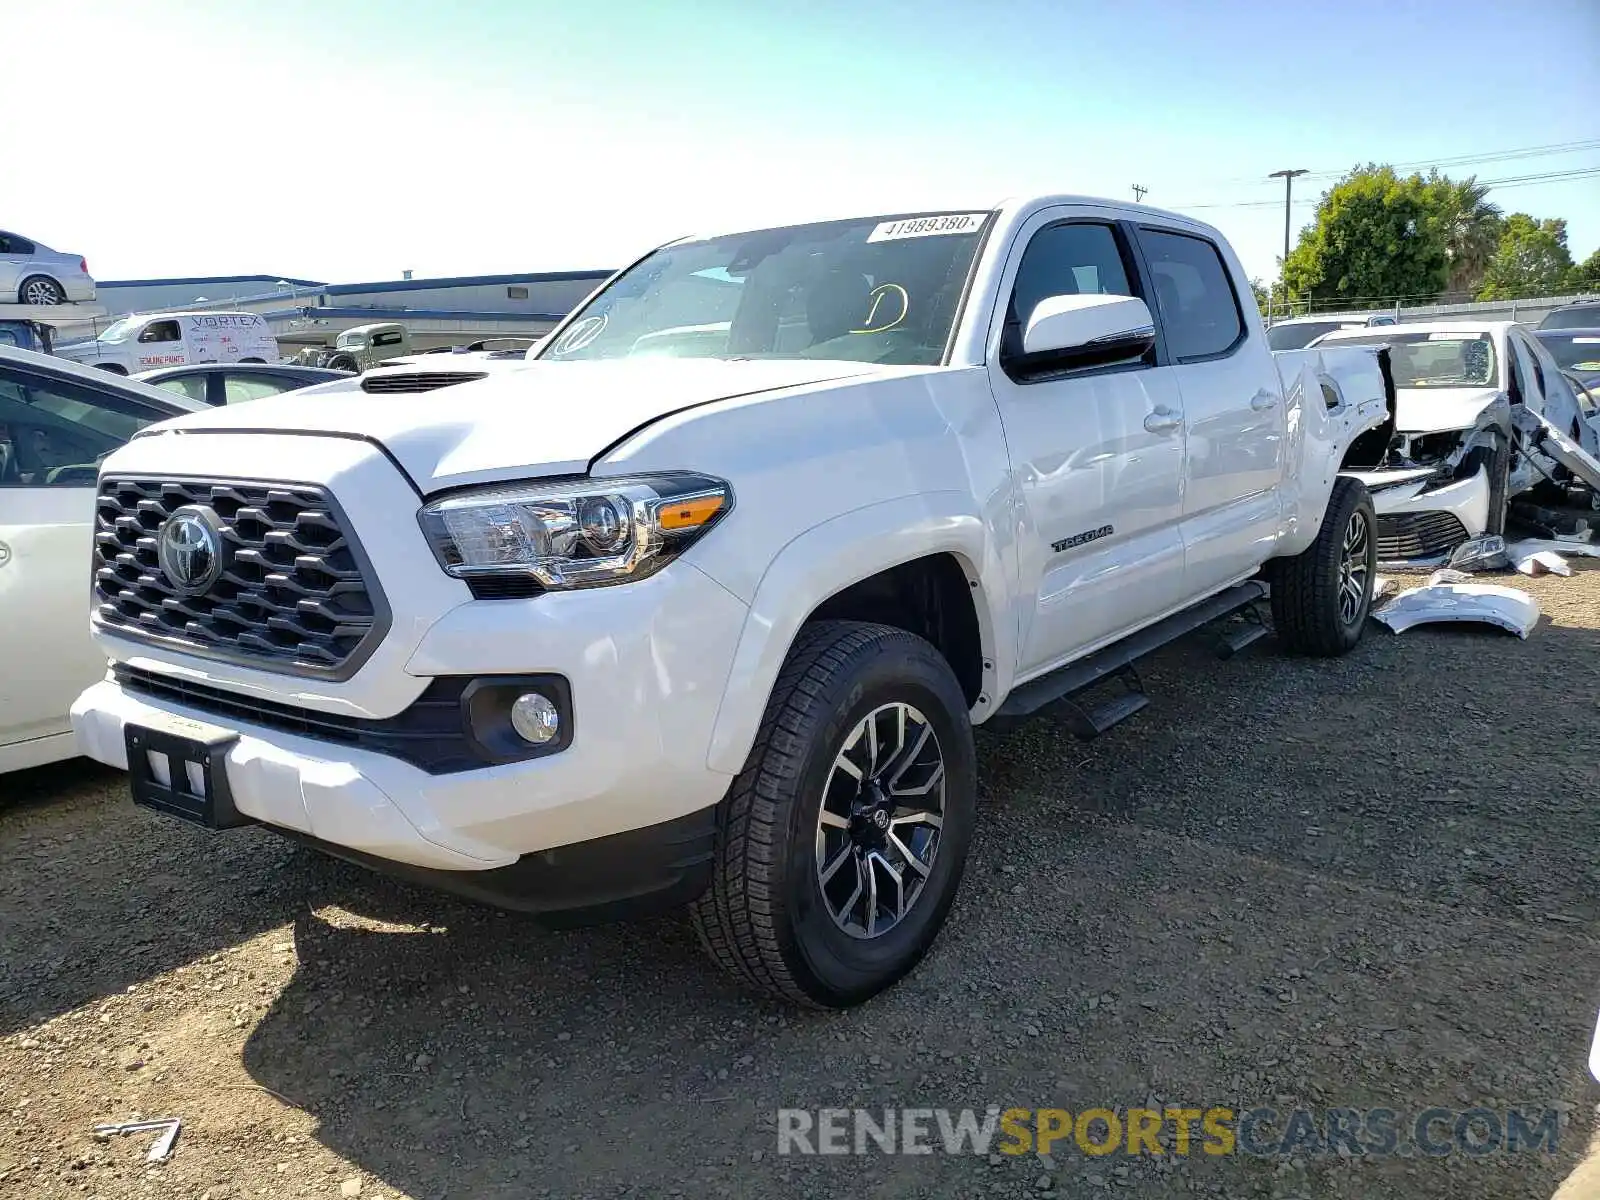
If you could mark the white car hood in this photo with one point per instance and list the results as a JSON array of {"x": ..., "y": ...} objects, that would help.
[
  {"x": 544, "y": 419},
  {"x": 1435, "y": 409}
]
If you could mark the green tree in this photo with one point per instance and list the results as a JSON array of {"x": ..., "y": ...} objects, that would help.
[
  {"x": 1585, "y": 277},
  {"x": 1375, "y": 238},
  {"x": 1470, "y": 225},
  {"x": 1531, "y": 260}
]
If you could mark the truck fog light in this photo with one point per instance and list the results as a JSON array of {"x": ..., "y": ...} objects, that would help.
[{"x": 535, "y": 718}]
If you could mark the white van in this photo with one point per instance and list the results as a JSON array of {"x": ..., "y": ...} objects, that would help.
[{"x": 142, "y": 342}]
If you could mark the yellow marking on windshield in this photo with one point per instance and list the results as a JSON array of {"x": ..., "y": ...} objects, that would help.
[{"x": 877, "y": 296}]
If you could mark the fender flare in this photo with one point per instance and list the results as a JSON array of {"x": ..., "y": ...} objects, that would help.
[{"x": 826, "y": 559}]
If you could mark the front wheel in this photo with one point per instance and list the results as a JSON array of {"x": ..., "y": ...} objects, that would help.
[
  {"x": 841, "y": 844},
  {"x": 1321, "y": 596}
]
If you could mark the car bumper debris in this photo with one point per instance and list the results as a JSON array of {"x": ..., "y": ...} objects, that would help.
[{"x": 1446, "y": 599}]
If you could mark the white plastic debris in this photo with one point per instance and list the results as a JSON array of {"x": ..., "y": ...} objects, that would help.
[
  {"x": 1594, "y": 1053},
  {"x": 1524, "y": 548},
  {"x": 1507, "y": 608},
  {"x": 1542, "y": 562}
]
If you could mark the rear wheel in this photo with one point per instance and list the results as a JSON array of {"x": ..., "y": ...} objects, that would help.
[
  {"x": 1321, "y": 597},
  {"x": 40, "y": 289},
  {"x": 841, "y": 844}
]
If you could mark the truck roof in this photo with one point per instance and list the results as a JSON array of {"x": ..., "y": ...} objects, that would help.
[{"x": 1007, "y": 206}]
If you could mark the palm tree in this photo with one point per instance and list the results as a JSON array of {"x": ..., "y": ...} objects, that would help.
[{"x": 1471, "y": 227}]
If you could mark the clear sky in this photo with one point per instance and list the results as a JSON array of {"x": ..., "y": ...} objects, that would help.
[{"x": 353, "y": 140}]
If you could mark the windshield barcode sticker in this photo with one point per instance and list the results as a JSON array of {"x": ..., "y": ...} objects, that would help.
[{"x": 912, "y": 227}]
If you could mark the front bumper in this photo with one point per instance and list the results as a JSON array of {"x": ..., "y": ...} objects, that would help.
[
  {"x": 562, "y": 848},
  {"x": 615, "y": 823},
  {"x": 1418, "y": 524},
  {"x": 356, "y": 765}
]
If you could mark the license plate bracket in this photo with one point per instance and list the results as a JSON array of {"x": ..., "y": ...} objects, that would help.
[{"x": 196, "y": 785}]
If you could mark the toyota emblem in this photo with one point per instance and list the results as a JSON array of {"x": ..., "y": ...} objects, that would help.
[{"x": 189, "y": 549}]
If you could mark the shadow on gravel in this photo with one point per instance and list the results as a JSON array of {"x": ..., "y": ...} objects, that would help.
[
  {"x": 96, "y": 895},
  {"x": 455, "y": 1055}
]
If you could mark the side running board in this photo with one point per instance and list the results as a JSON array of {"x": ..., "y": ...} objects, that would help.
[{"x": 1116, "y": 661}]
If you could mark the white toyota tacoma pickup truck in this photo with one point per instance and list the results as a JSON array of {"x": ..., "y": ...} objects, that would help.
[{"x": 701, "y": 607}]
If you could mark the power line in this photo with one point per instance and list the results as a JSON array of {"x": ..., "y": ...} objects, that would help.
[
  {"x": 1504, "y": 182},
  {"x": 1460, "y": 160}
]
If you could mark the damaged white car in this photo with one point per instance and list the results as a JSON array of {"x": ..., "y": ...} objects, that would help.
[{"x": 1472, "y": 405}]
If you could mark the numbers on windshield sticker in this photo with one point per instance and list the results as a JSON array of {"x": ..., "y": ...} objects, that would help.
[
  {"x": 913, "y": 227},
  {"x": 579, "y": 336}
]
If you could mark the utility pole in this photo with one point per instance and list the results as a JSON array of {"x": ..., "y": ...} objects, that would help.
[
  {"x": 1288, "y": 178},
  {"x": 1138, "y": 193}
]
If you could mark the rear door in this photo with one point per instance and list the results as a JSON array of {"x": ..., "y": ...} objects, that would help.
[
  {"x": 1232, "y": 402},
  {"x": 52, "y": 434},
  {"x": 1097, "y": 454},
  {"x": 10, "y": 268}
]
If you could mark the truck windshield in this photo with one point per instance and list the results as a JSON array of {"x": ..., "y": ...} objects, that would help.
[
  {"x": 1433, "y": 360},
  {"x": 877, "y": 289},
  {"x": 1574, "y": 351},
  {"x": 118, "y": 331}
]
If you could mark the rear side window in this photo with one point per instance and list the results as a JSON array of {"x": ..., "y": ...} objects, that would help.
[
  {"x": 10, "y": 243},
  {"x": 1198, "y": 307},
  {"x": 192, "y": 386},
  {"x": 239, "y": 388}
]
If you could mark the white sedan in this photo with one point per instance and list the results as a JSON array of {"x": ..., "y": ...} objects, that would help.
[
  {"x": 57, "y": 420},
  {"x": 1451, "y": 469}
]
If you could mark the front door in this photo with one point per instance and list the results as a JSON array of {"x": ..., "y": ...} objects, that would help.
[
  {"x": 52, "y": 435},
  {"x": 1097, "y": 455}
]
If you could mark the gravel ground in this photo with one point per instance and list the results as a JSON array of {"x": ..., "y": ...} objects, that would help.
[{"x": 1355, "y": 883}]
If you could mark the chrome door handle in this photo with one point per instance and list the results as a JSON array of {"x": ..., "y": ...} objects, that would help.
[
  {"x": 1162, "y": 420},
  {"x": 1263, "y": 400}
]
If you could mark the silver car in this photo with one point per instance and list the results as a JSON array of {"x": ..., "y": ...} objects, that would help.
[{"x": 35, "y": 274}]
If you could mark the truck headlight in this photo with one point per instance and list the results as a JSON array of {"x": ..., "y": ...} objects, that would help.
[{"x": 583, "y": 533}]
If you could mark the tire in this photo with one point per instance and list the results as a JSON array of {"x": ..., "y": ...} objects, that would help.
[
  {"x": 40, "y": 289},
  {"x": 114, "y": 368},
  {"x": 343, "y": 362},
  {"x": 769, "y": 918},
  {"x": 1307, "y": 589},
  {"x": 252, "y": 360}
]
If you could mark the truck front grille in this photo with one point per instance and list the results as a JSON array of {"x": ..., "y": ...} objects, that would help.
[
  {"x": 1407, "y": 536},
  {"x": 294, "y": 592},
  {"x": 421, "y": 381}
]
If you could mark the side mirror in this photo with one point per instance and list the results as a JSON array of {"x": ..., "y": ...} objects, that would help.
[{"x": 1066, "y": 332}]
